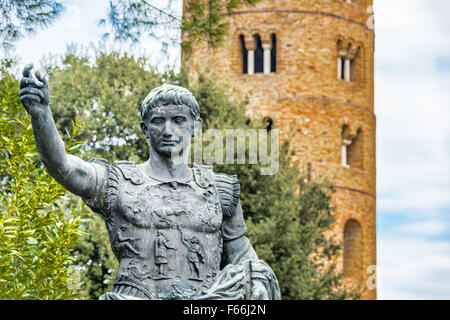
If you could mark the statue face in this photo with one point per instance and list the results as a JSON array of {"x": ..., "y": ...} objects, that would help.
[{"x": 169, "y": 129}]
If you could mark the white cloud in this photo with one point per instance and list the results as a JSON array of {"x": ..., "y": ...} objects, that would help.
[
  {"x": 405, "y": 200},
  {"x": 426, "y": 228},
  {"x": 408, "y": 29},
  {"x": 413, "y": 268},
  {"x": 412, "y": 99},
  {"x": 413, "y": 141}
]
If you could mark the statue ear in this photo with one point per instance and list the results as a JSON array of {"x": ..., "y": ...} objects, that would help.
[
  {"x": 197, "y": 127},
  {"x": 144, "y": 128}
]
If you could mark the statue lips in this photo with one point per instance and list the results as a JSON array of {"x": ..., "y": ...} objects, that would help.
[{"x": 169, "y": 143}]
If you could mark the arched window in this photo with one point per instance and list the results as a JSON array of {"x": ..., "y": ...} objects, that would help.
[
  {"x": 259, "y": 54},
  {"x": 340, "y": 61},
  {"x": 346, "y": 142},
  {"x": 273, "y": 53},
  {"x": 355, "y": 153},
  {"x": 353, "y": 249},
  {"x": 244, "y": 54},
  {"x": 356, "y": 65},
  {"x": 352, "y": 154},
  {"x": 348, "y": 63}
]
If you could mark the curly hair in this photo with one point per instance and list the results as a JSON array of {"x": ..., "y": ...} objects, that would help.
[{"x": 169, "y": 94}]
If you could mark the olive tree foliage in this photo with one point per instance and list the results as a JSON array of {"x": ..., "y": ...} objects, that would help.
[
  {"x": 36, "y": 233},
  {"x": 24, "y": 17},
  {"x": 287, "y": 216}
]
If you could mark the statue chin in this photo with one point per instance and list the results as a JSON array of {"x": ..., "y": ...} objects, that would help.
[{"x": 248, "y": 280}]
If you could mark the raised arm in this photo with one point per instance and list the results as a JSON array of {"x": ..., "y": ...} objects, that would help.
[{"x": 74, "y": 174}]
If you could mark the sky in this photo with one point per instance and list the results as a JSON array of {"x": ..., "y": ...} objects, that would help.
[
  {"x": 412, "y": 96},
  {"x": 412, "y": 77}
]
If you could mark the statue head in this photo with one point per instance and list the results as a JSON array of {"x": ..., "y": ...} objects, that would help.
[
  {"x": 170, "y": 118},
  {"x": 195, "y": 240}
]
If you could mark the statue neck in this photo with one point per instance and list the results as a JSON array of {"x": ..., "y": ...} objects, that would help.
[{"x": 165, "y": 169}]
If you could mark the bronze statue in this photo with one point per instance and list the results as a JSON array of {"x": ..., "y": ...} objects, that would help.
[{"x": 147, "y": 206}]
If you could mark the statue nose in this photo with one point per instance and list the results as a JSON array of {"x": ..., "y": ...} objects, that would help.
[{"x": 168, "y": 129}]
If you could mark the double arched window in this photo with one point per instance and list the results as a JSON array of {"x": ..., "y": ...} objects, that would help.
[
  {"x": 258, "y": 54},
  {"x": 348, "y": 64}
]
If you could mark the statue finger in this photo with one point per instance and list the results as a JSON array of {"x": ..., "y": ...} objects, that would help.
[
  {"x": 28, "y": 97},
  {"x": 27, "y": 70},
  {"x": 32, "y": 91},
  {"x": 41, "y": 78},
  {"x": 30, "y": 82}
]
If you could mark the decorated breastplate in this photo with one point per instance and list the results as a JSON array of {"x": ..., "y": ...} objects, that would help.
[{"x": 166, "y": 235}]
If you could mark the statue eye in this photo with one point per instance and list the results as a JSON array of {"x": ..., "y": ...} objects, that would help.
[
  {"x": 179, "y": 120},
  {"x": 157, "y": 120}
]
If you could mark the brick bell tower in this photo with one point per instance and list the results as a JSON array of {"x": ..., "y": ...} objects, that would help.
[{"x": 308, "y": 69}]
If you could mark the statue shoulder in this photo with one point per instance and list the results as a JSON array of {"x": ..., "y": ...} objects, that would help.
[
  {"x": 203, "y": 175},
  {"x": 227, "y": 186},
  {"x": 229, "y": 190},
  {"x": 105, "y": 190},
  {"x": 129, "y": 171}
]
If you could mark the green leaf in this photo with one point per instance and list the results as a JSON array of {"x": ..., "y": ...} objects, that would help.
[{"x": 32, "y": 241}]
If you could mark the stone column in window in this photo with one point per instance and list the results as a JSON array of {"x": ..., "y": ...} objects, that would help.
[
  {"x": 345, "y": 144},
  {"x": 347, "y": 68},
  {"x": 251, "y": 61},
  {"x": 267, "y": 46},
  {"x": 250, "y": 43},
  {"x": 339, "y": 68}
]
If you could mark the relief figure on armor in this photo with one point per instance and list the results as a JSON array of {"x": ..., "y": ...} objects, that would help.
[
  {"x": 168, "y": 209},
  {"x": 195, "y": 254},
  {"x": 188, "y": 221},
  {"x": 161, "y": 259},
  {"x": 122, "y": 244}
]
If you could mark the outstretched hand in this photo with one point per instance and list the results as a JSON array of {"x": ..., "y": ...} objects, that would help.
[{"x": 34, "y": 92}]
